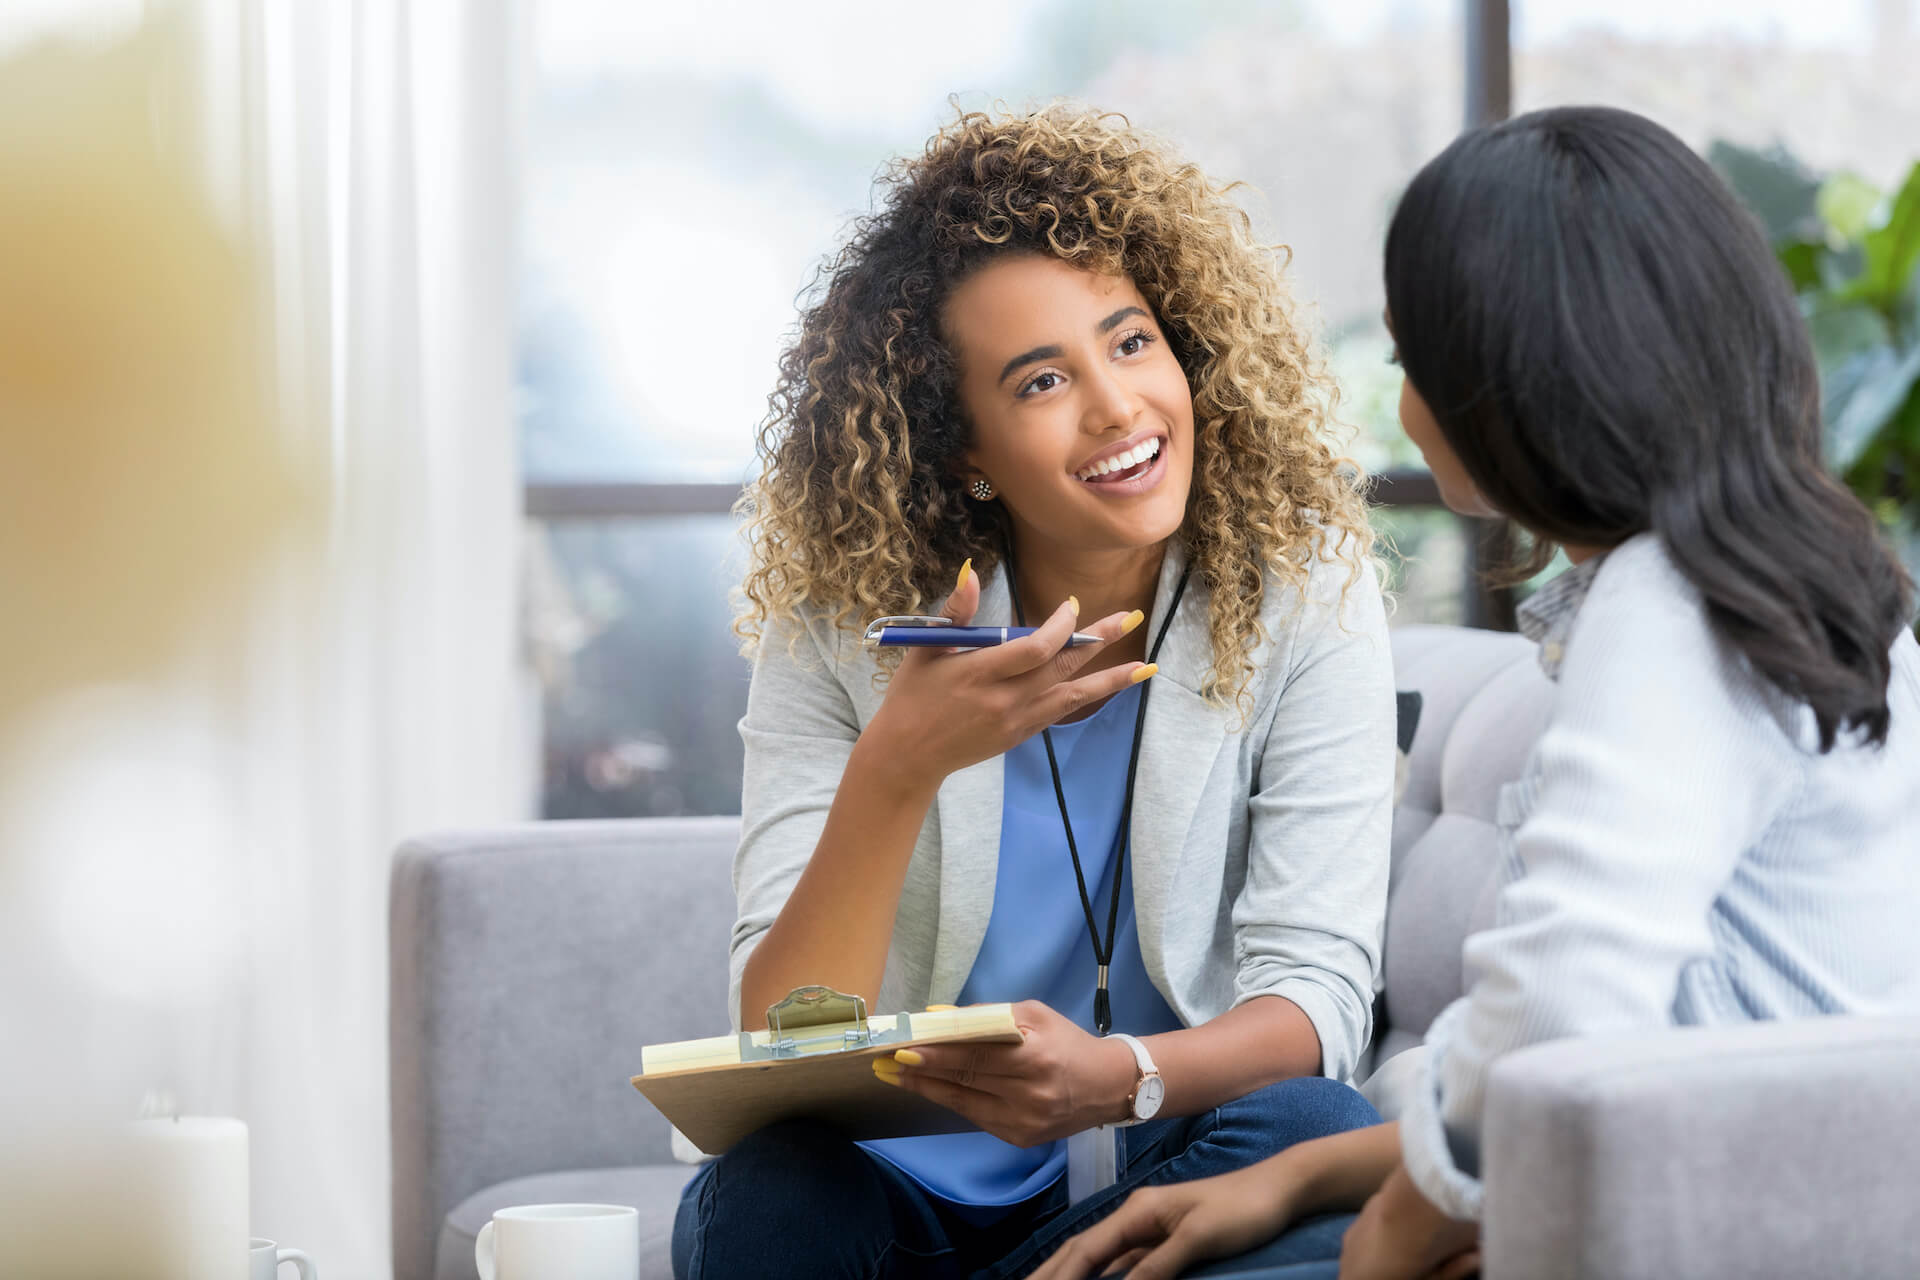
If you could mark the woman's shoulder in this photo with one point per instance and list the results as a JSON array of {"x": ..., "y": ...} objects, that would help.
[
  {"x": 1637, "y": 601},
  {"x": 1643, "y": 622},
  {"x": 1337, "y": 586},
  {"x": 1329, "y": 601},
  {"x": 806, "y": 649}
]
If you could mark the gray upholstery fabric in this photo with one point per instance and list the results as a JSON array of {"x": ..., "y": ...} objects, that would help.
[
  {"x": 529, "y": 966},
  {"x": 1485, "y": 702},
  {"x": 1773, "y": 1149},
  {"x": 652, "y": 1189}
]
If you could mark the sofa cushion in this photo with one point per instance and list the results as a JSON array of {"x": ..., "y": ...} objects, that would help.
[
  {"x": 1486, "y": 701},
  {"x": 1449, "y": 666},
  {"x": 531, "y": 964},
  {"x": 652, "y": 1189}
]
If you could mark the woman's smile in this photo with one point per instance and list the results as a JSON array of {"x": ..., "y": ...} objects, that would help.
[{"x": 1128, "y": 469}]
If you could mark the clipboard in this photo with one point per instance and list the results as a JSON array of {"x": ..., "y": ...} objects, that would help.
[{"x": 812, "y": 1061}]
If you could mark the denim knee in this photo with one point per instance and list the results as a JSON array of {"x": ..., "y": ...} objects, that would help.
[
  {"x": 779, "y": 1187},
  {"x": 1299, "y": 1110}
]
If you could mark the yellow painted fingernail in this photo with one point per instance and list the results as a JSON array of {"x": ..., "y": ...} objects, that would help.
[
  {"x": 886, "y": 1066},
  {"x": 942, "y": 1008},
  {"x": 966, "y": 567},
  {"x": 1073, "y": 602},
  {"x": 908, "y": 1056},
  {"x": 1145, "y": 673},
  {"x": 1131, "y": 621},
  {"x": 893, "y": 1080}
]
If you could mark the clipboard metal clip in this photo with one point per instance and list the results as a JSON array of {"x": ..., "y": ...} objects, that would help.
[{"x": 837, "y": 1022}]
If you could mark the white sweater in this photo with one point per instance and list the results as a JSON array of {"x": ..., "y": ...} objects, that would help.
[{"x": 1678, "y": 852}]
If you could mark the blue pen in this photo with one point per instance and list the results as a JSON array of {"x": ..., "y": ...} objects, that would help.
[{"x": 902, "y": 630}]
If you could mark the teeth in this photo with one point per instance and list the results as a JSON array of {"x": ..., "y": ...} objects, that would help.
[{"x": 1120, "y": 462}]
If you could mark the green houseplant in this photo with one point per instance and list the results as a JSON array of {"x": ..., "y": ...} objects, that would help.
[{"x": 1853, "y": 254}]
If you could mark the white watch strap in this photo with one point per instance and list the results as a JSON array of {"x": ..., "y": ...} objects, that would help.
[
  {"x": 1140, "y": 1054},
  {"x": 1142, "y": 1059}
]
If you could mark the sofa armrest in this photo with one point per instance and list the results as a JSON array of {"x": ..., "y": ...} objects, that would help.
[
  {"x": 529, "y": 965},
  {"x": 1766, "y": 1149}
]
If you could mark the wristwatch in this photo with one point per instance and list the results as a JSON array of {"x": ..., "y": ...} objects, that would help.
[{"x": 1149, "y": 1091}]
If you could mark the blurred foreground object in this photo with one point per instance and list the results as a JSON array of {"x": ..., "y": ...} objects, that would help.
[
  {"x": 140, "y": 468},
  {"x": 143, "y": 473}
]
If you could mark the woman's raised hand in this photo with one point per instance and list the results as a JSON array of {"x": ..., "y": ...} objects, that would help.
[{"x": 945, "y": 710}]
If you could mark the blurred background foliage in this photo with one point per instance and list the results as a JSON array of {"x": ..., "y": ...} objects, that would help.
[{"x": 1852, "y": 251}]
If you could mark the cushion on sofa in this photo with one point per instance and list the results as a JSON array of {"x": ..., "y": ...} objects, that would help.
[{"x": 1486, "y": 700}]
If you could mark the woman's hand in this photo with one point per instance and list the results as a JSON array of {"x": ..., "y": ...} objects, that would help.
[
  {"x": 1160, "y": 1231},
  {"x": 945, "y": 710},
  {"x": 1058, "y": 1080},
  {"x": 1399, "y": 1235}
]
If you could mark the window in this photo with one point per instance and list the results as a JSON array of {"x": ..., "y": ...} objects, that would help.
[{"x": 1833, "y": 83}]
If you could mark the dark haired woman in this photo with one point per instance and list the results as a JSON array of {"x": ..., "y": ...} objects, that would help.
[
  {"x": 1717, "y": 824},
  {"x": 1053, "y": 378}
]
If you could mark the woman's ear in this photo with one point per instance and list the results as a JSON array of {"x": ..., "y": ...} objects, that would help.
[{"x": 966, "y": 474}]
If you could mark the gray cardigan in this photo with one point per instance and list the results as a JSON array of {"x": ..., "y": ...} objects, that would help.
[{"x": 1260, "y": 847}]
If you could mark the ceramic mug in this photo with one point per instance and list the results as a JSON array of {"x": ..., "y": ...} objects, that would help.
[
  {"x": 560, "y": 1242},
  {"x": 265, "y": 1257}
]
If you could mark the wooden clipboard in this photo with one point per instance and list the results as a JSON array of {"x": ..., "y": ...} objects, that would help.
[{"x": 813, "y": 1061}]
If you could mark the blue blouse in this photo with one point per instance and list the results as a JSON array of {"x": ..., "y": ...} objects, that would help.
[{"x": 1036, "y": 946}]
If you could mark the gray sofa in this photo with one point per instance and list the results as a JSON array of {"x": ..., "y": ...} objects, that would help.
[{"x": 529, "y": 965}]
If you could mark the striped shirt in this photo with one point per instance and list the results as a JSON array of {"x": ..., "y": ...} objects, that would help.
[{"x": 1677, "y": 852}]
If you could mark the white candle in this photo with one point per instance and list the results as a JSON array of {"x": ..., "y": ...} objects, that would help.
[{"x": 188, "y": 1212}]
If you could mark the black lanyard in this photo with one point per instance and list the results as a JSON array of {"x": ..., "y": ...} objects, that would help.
[{"x": 1123, "y": 840}]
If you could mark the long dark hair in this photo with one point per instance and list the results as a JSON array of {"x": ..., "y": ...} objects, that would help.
[{"x": 1609, "y": 346}]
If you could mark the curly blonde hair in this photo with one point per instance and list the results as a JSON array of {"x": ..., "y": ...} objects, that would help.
[{"x": 859, "y": 509}]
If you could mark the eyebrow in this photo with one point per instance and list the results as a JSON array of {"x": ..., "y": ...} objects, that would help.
[
  {"x": 1028, "y": 357},
  {"x": 1052, "y": 352}
]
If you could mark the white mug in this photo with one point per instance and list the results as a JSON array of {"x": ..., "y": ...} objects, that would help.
[
  {"x": 560, "y": 1242},
  {"x": 265, "y": 1257}
]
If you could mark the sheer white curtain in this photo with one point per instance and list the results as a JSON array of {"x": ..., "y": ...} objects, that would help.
[{"x": 369, "y": 142}]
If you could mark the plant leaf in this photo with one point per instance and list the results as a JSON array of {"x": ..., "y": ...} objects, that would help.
[
  {"x": 1892, "y": 252},
  {"x": 1779, "y": 190},
  {"x": 1801, "y": 258},
  {"x": 1863, "y": 399},
  {"x": 1846, "y": 203},
  {"x": 1842, "y": 331}
]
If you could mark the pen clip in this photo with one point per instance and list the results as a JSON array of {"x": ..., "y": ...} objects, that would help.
[{"x": 872, "y": 634}]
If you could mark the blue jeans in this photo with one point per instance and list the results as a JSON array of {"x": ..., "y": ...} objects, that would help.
[
  {"x": 1308, "y": 1250},
  {"x": 798, "y": 1199}
]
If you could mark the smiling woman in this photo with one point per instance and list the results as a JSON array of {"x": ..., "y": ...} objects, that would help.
[{"x": 1056, "y": 354}]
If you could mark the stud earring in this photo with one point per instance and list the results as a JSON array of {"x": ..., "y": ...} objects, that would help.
[{"x": 981, "y": 490}]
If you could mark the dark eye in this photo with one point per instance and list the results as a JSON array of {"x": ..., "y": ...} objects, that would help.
[
  {"x": 1045, "y": 380},
  {"x": 1134, "y": 343}
]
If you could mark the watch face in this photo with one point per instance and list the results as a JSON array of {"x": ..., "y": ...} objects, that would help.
[{"x": 1146, "y": 1103}]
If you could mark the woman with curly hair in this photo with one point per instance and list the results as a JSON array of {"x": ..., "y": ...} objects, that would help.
[{"x": 1054, "y": 378}]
